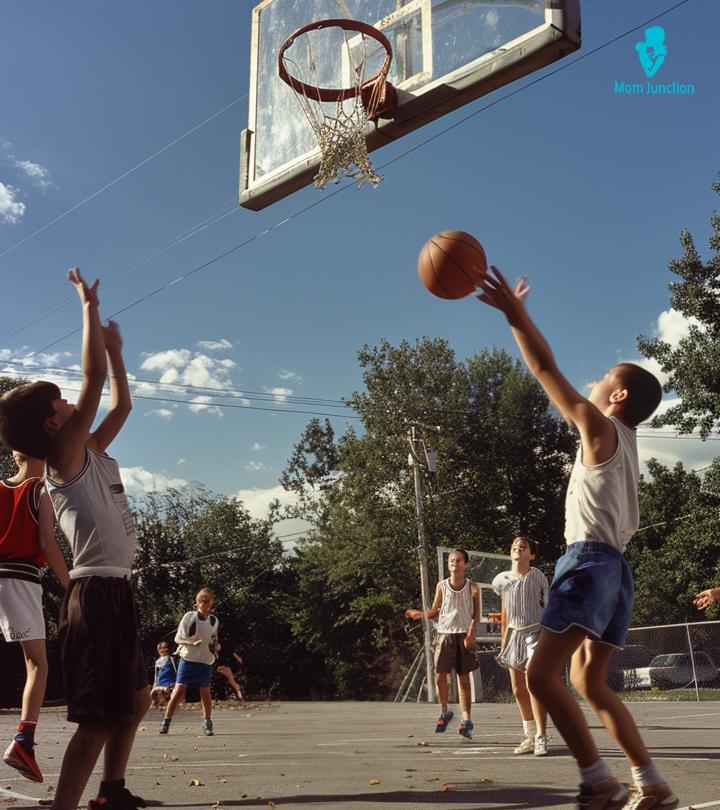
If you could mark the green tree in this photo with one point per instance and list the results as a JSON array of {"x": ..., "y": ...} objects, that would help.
[
  {"x": 694, "y": 365},
  {"x": 502, "y": 464}
]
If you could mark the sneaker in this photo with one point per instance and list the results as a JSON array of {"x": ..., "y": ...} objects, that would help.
[
  {"x": 443, "y": 720},
  {"x": 606, "y": 795},
  {"x": 527, "y": 746},
  {"x": 18, "y": 757},
  {"x": 122, "y": 800},
  {"x": 207, "y": 728},
  {"x": 541, "y": 745},
  {"x": 466, "y": 728},
  {"x": 165, "y": 725},
  {"x": 651, "y": 796}
]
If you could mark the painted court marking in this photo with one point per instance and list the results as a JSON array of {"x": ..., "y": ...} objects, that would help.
[
  {"x": 685, "y": 716},
  {"x": 13, "y": 796}
]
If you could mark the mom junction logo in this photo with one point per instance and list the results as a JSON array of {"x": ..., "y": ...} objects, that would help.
[{"x": 652, "y": 53}]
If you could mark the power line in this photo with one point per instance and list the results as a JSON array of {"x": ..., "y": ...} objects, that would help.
[
  {"x": 413, "y": 149},
  {"x": 121, "y": 177}
]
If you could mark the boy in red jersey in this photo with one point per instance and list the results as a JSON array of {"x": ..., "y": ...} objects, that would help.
[{"x": 26, "y": 543}]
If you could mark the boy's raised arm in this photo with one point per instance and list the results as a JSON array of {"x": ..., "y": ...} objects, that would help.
[
  {"x": 67, "y": 455},
  {"x": 595, "y": 428},
  {"x": 120, "y": 401}
]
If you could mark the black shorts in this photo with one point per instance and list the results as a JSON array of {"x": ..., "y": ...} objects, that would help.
[
  {"x": 452, "y": 654},
  {"x": 100, "y": 651}
]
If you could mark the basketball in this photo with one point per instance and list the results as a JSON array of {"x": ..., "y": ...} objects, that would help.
[
  {"x": 501, "y": 580},
  {"x": 451, "y": 264}
]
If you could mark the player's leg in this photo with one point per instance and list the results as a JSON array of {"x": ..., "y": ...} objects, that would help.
[
  {"x": 80, "y": 757},
  {"x": 177, "y": 697},
  {"x": 206, "y": 700},
  {"x": 588, "y": 675},
  {"x": 444, "y": 663},
  {"x": 518, "y": 681},
  {"x": 546, "y": 683},
  {"x": 227, "y": 673},
  {"x": 21, "y": 607},
  {"x": 465, "y": 695},
  {"x": 120, "y": 742}
]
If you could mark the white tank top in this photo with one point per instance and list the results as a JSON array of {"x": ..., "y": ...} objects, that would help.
[
  {"x": 602, "y": 501},
  {"x": 456, "y": 610},
  {"x": 93, "y": 512}
]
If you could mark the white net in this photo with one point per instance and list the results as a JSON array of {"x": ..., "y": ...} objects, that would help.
[{"x": 339, "y": 125}]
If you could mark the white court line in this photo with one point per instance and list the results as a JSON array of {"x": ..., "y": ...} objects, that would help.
[
  {"x": 11, "y": 794},
  {"x": 698, "y": 806},
  {"x": 684, "y": 716},
  {"x": 367, "y": 739}
]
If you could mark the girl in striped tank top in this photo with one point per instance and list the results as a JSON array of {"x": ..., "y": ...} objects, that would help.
[{"x": 523, "y": 599}]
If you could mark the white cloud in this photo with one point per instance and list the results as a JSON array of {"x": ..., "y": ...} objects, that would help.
[
  {"x": 215, "y": 345},
  {"x": 256, "y": 447},
  {"x": 163, "y": 413},
  {"x": 673, "y": 326},
  {"x": 201, "y": 404},
  {"x": 283, "y": 374},
  {"x": 257, "y": 501},
  {"x": 180, "y": 462},
  {"x": 189, "y": 368},
  {"x": 279, "y": 394},
  {"x": 138, "y": 481},
  {"x": 11, "y": 211},
  {"x": 38, "y": 174},
  {"x": 255, "y": 466}
]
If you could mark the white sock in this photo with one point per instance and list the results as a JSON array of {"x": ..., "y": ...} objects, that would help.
[
  {"x": 597, "y": 772},
  {"x": 529, "y": 728},
  {"x": 646, "y": 775}
]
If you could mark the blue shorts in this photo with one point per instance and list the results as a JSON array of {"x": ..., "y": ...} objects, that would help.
[
  {"x": 592, "y": 589},
  {"x": 193, "y": 673}
]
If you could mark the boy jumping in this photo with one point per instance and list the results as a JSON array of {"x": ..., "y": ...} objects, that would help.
[
  {"x": 590, "y": 602},
  {"x": 106, "y": 685}
]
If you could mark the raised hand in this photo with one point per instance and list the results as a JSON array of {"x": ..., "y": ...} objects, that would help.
[
  {"x": 496, "y": 292},
  {"x": 112, "y": 336},
  {"x": 87, "y": 295},
  {"x": 706, "y": 598},
  {"x": 416, "y": 615}
]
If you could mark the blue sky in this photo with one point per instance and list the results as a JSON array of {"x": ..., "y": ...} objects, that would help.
[{"x": 581, "y": 188}]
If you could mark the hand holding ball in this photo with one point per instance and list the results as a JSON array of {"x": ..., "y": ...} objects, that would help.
[{"x": 452, "y": 264}]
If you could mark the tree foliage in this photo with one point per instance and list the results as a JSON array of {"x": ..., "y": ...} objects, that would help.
[{"x": 694, "y": 365}]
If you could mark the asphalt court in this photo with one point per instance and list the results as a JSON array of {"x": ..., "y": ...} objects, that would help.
[{"x": 367, "y": 756}]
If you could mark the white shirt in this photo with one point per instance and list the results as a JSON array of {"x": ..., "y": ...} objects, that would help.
[
  {"x": 456, "y": 609},
  {"x": 602, "y": 500},
  {"x": 204, "y": 629}
]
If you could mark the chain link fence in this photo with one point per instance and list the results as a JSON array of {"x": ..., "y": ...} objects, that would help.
[{"x": 663, "y": 662}]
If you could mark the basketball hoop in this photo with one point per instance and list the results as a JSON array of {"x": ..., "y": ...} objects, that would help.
[{"x": 339, "y": 130}]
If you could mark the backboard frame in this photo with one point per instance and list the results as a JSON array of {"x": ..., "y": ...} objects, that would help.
[{"x": 556, "y": 37}]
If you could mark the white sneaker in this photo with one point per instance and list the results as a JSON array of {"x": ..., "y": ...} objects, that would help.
[
  {"x": 527, "y": 746},
  {"x": 541, "y": 745}
]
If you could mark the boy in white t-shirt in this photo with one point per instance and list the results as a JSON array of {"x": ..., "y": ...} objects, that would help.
[{"x": 590, "y": 602}]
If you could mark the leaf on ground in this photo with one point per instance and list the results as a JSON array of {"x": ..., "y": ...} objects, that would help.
[
  {"x": 446, "y": 787},
  {"x": 196, "y": 783},
  {"x": 374, "y": 781}
]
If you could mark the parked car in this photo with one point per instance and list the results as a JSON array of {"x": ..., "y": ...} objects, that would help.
[
  {"x": 675, "y": 670},
  {"x": 623, "y": 664}
]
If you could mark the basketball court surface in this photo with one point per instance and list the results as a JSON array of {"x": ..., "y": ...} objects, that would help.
[{"x": 373, "y": 756}]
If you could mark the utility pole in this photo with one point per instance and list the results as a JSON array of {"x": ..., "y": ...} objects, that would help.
[{"x": 419, "y": 457}]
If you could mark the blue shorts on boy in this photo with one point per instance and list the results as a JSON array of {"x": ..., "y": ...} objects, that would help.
[
  {"x": 593, "y": 589},
  {"x": 593, "y": 585}
]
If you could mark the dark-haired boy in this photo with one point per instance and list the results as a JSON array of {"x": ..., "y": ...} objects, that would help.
[
  {"x": 457, "y": 605},
  {"x": 106, "y": 685},
  {"x": 590, "y": 602}
]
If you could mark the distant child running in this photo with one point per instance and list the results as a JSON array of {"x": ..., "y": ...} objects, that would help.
[
  {"x": 457, "y": 603},
  {"x": 232, "y": 677},
  {"x": 165, "y": 675},
  {"x": 523, "y": 600},
  {"x": 27, "y": 540},
  {"x": 105, "y": 680},
  {"x": 197, "y": 637},
  {"x": 590, "y": 602}
]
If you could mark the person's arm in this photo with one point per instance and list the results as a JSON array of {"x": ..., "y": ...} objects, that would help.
[
  {"x": 120, "y": 401},
  {"x": 706, "y": 598},
  {"x": 48, "y": 541},
  {"x": 470, "y": 635},
  {"x": 432, "y": 612},
  {"x": 597, "y": 432},
  {"x": 183, "y": 632},
  {"x": 67, "y": 455}
]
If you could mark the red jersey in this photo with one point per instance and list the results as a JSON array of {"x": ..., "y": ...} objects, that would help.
[{"x": 19, "y": 512}]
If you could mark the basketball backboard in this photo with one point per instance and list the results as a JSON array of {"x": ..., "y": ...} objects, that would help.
[{"x": 446, "y": 53}]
